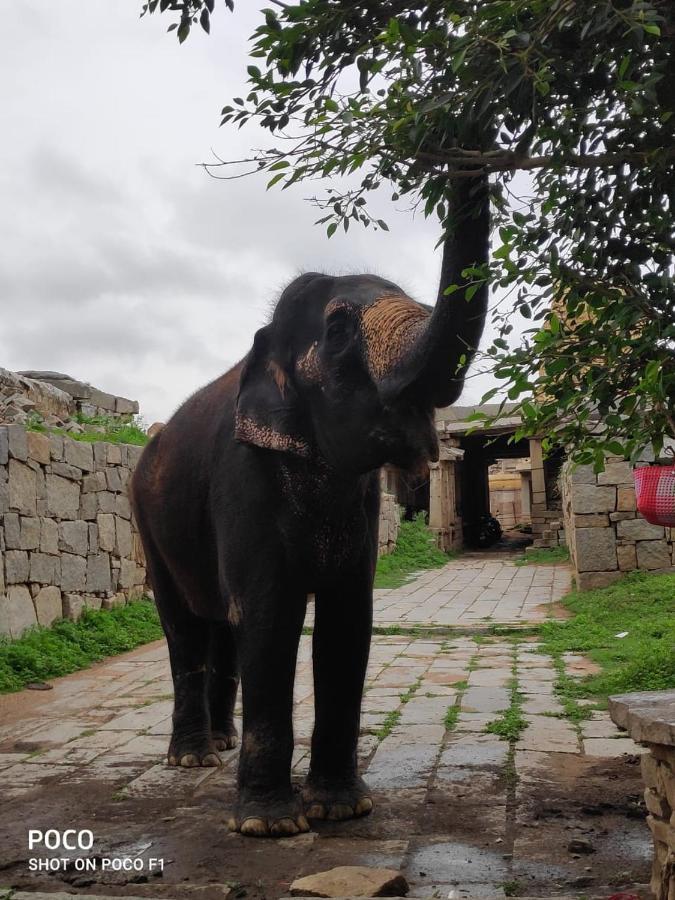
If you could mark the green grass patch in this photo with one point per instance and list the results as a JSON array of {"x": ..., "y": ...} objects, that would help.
[
  {"x": 451, "y": 717},
  {"x": 511, "y": 722},
  {"x": 642, "y": 606},
  {"x": 389, "y": 724},
  {"x": 113, "y": 429},
  {"x": 415, "y": 550},
  {"x": 544, "y": 556},
  {"x": 44, "y": 653}
]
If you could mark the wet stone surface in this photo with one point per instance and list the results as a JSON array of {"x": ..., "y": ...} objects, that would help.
[{"x": 456, "y": 808}]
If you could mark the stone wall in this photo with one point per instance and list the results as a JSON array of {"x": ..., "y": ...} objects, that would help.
[
  {"x": 67, "y": 540},
  {"x": 650, "y": 719},
  {"x": 605, "y": 534},
  {"x": 390, "y": 522}
]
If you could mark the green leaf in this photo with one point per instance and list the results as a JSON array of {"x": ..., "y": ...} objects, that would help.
[
  {"x": 274, "y": 180},
  {"x": 330, "y": 231}
]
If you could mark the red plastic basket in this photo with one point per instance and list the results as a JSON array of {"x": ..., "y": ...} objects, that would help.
[{"x": 655, "y": 493}]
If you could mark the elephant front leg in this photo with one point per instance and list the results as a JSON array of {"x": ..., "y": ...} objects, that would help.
[
  {"x": 334, "y": 790},
  {"x": 268, "y": 644}
]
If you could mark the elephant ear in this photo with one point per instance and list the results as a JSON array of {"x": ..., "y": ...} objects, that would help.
[{"x": 267, "y": 413}]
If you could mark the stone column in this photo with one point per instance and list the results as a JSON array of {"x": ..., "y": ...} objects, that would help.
[{"x": 444, "y": 517}]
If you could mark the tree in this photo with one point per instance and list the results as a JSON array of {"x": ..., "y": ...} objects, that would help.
[{"x": 580, "y": 95}]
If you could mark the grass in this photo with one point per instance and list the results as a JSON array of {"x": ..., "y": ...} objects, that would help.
[
  {"x": 115, "y": 429},
  {"x": 544, "y": 556},
  {"x": 415, "y": 550},
  {"x": 44, "y": 653},
  {"x": 511, "y": 723},
  {"x": 641, "y": 605}
]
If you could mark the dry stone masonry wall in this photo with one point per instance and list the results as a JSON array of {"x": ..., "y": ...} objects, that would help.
[
  {"x": 605, "y": 534},
  {"x": 650, "y": 719},
  {"x": 67, "y": 539}
]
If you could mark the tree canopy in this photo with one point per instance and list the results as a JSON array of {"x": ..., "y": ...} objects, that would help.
[{"x": 356, "y": 96}]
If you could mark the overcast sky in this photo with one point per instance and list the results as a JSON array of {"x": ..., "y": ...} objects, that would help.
[{"x": 122, "y": 263}]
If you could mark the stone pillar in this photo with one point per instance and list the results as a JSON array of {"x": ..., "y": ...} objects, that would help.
[
  {"x": 444, "y": 517},
  {"x": 525, "y": 496},
  {"x": 649, "y": 717}
]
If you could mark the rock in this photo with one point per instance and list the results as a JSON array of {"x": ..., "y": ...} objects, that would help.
[
  {"x": 590, "y": 581},
  {"x": 4, "y": 445},
  {"x": 649, "y": 716},
  {"x": 351, "y": 881},
  {"x": 16, "y": 566},
  {"x": 18, "y": 442},
  {"x": 616, "y": 472},
  {"x": 44, "y": 568},
  {"x": 63, "y": 497},
  {"x": 122, "y": 537},
  {"x": 639, "y": 530},
  {"x": 38, "y": 447},
  {"x": 98, "y": 572},
  {"x": 74, "y": 537},
  {"x": 17, "y": 612},
  {"x": 626, "y": 555},
  {"x": 653, "y": 555},
  {"x": 22, "y": 488},
  {"x": 73, "y": 606},
  {"x": 126, "y": 407},
  {"x": 580, "y": 845},
  {"x": 591, "y": 498},
  {"x": 79, "y": 454},
  {"x": 595, "y": 549},
  {"x": 49, "y": 536},
  {"x": 73, "y": 572},
  {"x": 106, "y": 531},
  {"x": 48, "y": 605}
]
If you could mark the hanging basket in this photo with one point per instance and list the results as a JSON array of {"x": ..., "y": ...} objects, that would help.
[{"x": 655, "y": 494}]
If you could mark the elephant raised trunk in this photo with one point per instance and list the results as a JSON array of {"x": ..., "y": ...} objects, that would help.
[{"x": 433, "y": 351}]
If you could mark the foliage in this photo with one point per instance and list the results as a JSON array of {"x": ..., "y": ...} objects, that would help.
[
  {"x": 44, "y": 653},
  {"x": 581, "y": 96},
  {"x": 544, "y": 556},
  {"x": 113, "y": 429},
  {"x": 415, "y": 550},
  {"x": 644, "y": 660}
]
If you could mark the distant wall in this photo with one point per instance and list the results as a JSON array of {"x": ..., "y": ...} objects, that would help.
[
  {"x": 605, "y": 534},
  {"x": 67, "y": 539}
]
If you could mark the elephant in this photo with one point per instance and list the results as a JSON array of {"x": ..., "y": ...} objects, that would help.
[{"x": 263, "y": 488}]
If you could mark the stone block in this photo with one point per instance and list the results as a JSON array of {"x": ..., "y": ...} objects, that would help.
[
  {"x": 589, "y": 581},
  {"x": 106, "y": 501},
  {"x": 17, "y": 612},
  {"x": 625, "y": 498},
  {"x": 30, "y": 533},
  {"x": 4, "y": 445},
  {"x": 38, "y": 447},
  {"x": 133, "y": 455},
  {"x": 127, "y": 576},
  {"x": 114, "y": 455},
  {"x": 616, "y": 472},
  {"x": 123, "y": 545},
  {"x": 93, "y": 537},
  {"x": 12, "y": 523},
  {"x": 88, "y": 506},
  {"x": 93, "y": 482},
  {"x": 118, "y": 599},
  {"x": 639, "y": 530},
  {"x": 652, "y": 555},
  {"x": 73, "y": 606},
  {"x": 106, "y": 531},
  {"x": 591, "y": 498},
  {"x": 126, "y": 407},
  {"x": 65, "y": 470},
  {"x": 122, "y": 506},
  {"x": 74, "y": 537},
  {"x": 595, "y": 549},
  {"x": 102, "y": 400},
  {"x": 582, "y": 475},
  {"x": 44, "y": 568},
  {"x": 592, "y": 520},
  {"x": 626, "y": 557},
  {"x": 17, "y": 442},
  {"x": 49, "y": 536},
  {"x": 113, "y": 479},
  {"x": 4, "y": 492},
  {"x": 48, "y": 605},
  {"x": 98, "y": 572},
  {"x": 22, "y": 488},
  {"x": 621, "y": 516},
  {"x": 73, "y": 572},
  {"x": 79, "y": 454},
  {"x": 17, "y": 566},
  {"x": 56, "y": 446},
  {"x": 100, "y": 455},
  {"x": 63, "y": 497}
]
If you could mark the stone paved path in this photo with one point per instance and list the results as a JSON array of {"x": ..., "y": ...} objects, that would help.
[{"x": 458, "y": 808}]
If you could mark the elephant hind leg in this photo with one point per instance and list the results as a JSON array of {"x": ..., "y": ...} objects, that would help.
[
  {"x": 188, "y": 637},
  {"x": 222, "y": 685}
]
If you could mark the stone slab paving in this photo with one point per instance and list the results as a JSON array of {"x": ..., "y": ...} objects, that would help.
[
  {"x": 463, "y": 812},
  {"x": 470, "y": 591}
]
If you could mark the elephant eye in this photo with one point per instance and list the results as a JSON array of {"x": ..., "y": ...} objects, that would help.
[{"x": 339, "y": 332}]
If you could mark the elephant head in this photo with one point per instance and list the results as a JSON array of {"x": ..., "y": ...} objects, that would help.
[{"x": 350, "y": 368}]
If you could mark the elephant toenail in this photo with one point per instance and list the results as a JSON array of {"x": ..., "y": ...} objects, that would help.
[
  {"x": 284, "y": 827},
  {"x": 316, "y": 811},
  {"x": 211, "y": 759},
  {"x": 189, "y": 761},
  {"x": 340, "y": 811},
  {"x": 254, "y": 826},
  {"x": 363, "y": 806}
]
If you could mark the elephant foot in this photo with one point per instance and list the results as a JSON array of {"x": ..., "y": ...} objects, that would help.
[
  {"x": 336, "y": 799},
  {"x": 190, "y": 752},
  {"x": 225, "y": 740},
  {"x": 274, "y": 818}
]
